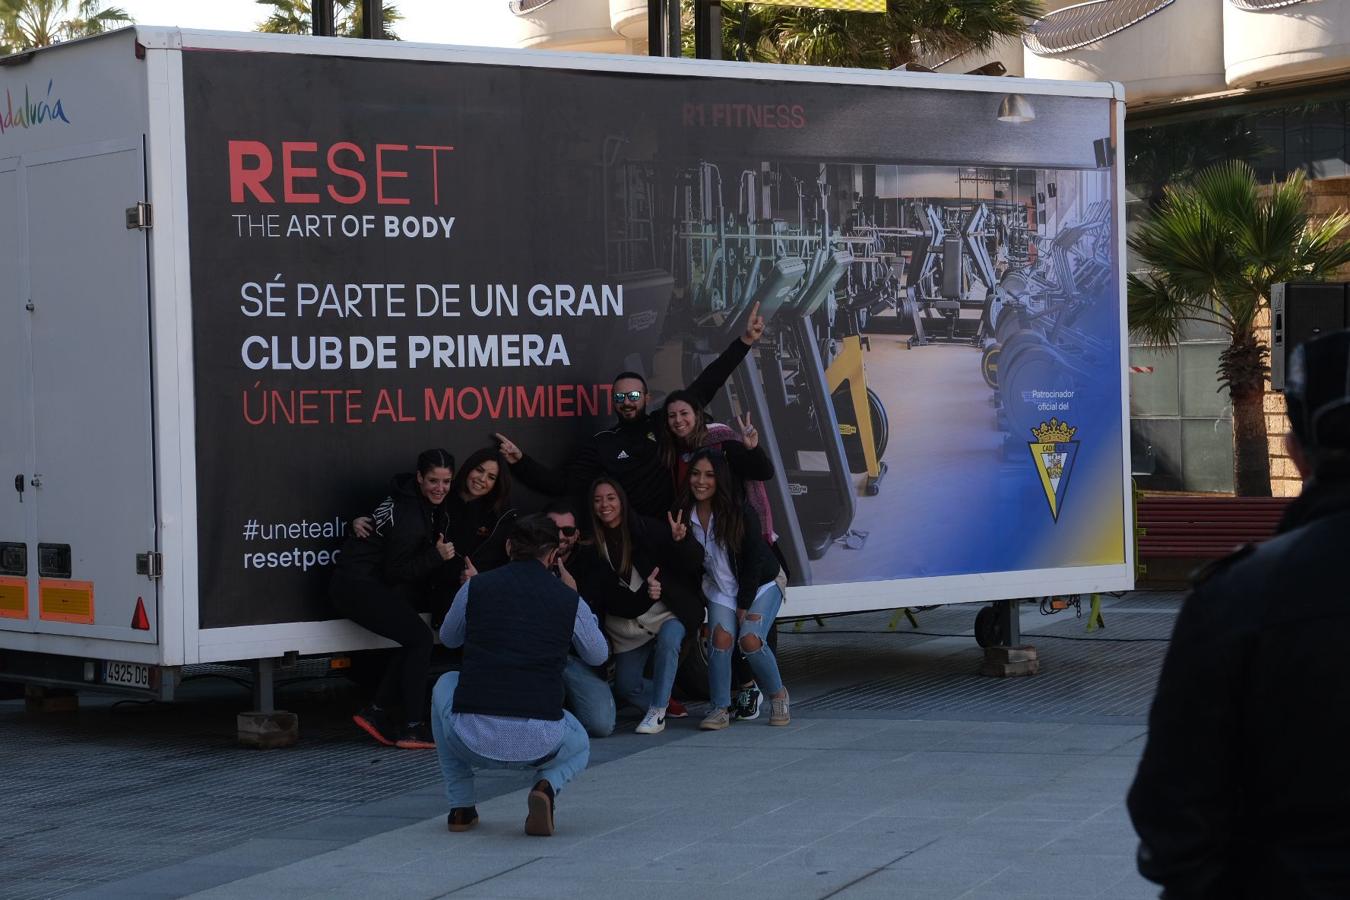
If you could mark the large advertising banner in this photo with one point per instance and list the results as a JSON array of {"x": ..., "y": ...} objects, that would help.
[{"x": 389, "y": 256}]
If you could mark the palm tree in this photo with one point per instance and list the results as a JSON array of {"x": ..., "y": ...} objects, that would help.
[
  {"x": 808, "y": 36},
  {"x": 25, "y": 24},
  {"x": 295, "y": 17},
  {"x": 1211, "y": 251}
]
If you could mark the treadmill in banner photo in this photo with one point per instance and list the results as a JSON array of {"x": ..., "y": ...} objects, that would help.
[
  {"x": 815, "y": 472},
  {"x": 771, "y": 295},
  {"x": 747, "y": 384},
  {"x": 646, "y": 299}
]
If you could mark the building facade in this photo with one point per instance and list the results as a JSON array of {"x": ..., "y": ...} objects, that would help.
[{"x": 1266, "y": 81}]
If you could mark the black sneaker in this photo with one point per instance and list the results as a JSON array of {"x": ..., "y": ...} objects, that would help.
[
  {"x": 746, "y": 703},
  {"x": 416, "y": 736},
  {"x": 375, "y": 722},
  {"x": 462, "y": 818}
]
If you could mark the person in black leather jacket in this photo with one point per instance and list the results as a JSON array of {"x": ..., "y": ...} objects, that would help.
[
  {"x": 384, "y": 581},
  {"x": 1241, "y": 791}
]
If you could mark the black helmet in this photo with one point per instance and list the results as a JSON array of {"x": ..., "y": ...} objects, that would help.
[{"x": 1317, "y": 392}]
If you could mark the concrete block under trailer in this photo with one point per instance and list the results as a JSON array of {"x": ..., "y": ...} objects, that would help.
[{"x": 244, "y": 278}]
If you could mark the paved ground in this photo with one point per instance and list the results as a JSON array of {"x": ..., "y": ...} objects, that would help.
[{"x": 903, "y": 774}]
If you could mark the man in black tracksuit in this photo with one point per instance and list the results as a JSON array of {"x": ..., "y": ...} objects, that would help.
[
  {"x": 628, "y": 452},
  {"x": 1242, "y": 789}
]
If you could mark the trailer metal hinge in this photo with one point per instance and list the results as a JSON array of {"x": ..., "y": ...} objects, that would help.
[
  {"x": 140, "y": 216},
  {"x": 150, "y": 564}
]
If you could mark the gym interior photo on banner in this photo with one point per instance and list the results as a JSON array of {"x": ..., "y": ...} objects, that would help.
[{"x": 942, "y": 343}]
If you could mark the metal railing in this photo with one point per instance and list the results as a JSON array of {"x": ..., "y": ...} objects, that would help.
[
  {"x": 525, "y": 7},
  {"x": 1077, "y": 26},
  {"x": 1259, "y": 5}
]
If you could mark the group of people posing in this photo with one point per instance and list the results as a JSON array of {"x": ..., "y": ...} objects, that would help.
[{"x": 660, "y": 534}]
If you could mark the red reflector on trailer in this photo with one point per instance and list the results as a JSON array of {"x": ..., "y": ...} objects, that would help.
[{"x": 140, "y": 621}]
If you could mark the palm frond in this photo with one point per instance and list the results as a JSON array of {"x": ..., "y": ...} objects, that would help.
[
  {"x": 1185, "y": 241},
  {"x": 1229, "y": 191},
  {"x": 1158, "y": 313},
  {"x": 948, "y": 26},
  {"x": 1324, "y": 246}
]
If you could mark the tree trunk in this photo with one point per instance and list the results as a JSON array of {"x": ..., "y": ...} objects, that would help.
[
  {"x": 1242, "y": 369},
  {"x": 1251, "y": 452}
]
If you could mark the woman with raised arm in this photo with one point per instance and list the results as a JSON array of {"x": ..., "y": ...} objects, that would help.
[
  {"x": 740, "y": 582},
  {"x": 646, "y": 583},
  {"x": 686, "y": 428},
  {"x": 383, "y": 582}
]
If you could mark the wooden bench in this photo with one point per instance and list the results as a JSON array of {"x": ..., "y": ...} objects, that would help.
[{"x": 1186, "y": 526}]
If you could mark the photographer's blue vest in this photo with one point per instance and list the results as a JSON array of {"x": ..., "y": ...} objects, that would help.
[{"x": 518, "y": 628}]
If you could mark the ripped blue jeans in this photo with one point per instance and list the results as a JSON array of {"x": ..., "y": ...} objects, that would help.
[{"x": 754, "y": 626}]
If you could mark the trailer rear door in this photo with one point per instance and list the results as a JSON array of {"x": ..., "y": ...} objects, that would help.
[
  {"x": 89, "y": 347},
  {"x": 16, "y": 417}
]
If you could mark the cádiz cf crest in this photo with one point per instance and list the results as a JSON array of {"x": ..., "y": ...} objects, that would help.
[{"x": 1053, "y": 452}]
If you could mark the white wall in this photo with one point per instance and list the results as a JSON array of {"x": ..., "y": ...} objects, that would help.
[{"x": 1301, "y": 41}]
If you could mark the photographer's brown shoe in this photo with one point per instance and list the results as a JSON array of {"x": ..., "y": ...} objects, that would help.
[{"x": 540, "y": 820}]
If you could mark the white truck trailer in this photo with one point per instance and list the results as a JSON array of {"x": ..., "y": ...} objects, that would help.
[{"x": 245, "y": 278}]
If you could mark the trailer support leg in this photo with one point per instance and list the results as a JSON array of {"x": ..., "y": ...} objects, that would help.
[
  {"x": 266, "y": 727},
  {"x": 264, "y": 687},
  {"x": 1009, "y": 621},
  {"x": 1095, "y": 619},
  {"x": 1010, "y": 657},
  {"x": 903, "y": 612}
]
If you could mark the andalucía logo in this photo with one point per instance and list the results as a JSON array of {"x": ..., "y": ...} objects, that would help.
[
  {"x": 1053, "y": 452},
  {"x": 31, "y": 113}
]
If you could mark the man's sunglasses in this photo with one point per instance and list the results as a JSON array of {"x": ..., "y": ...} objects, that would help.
[
  {"x": 630, "y": 396},
  {"x": 567, "y": 531}
]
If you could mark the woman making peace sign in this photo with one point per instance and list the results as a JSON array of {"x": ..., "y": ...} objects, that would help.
[
  {"x": 739, "y": 581},
  {"x": 646, "y": 584},
  {"x": 687, "y": 429}
]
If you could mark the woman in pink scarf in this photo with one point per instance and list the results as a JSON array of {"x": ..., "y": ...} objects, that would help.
[{"x": 688, "y": 430}]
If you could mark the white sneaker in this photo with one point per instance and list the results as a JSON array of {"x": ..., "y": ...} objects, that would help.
[{"x": 654, "y": 722}]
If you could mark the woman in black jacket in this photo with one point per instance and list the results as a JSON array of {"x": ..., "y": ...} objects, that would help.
[
  {"x": 382, "y": 581},
  {"x": 478, "y": 515},
  {"x": 740, "y": 582},
  {"x": 479, "y": 511},
  {"x": 646, "y": 583}
]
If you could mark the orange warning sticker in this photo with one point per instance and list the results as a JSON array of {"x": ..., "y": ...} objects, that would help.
[
  {"x": 66, "y": 601},
  {"x": 13, "y": 598}
]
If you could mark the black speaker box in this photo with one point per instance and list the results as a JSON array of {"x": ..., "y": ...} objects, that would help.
[{"x": 1299, "y": 311}]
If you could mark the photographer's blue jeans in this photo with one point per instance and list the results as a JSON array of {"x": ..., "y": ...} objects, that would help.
[
  {"x": 628, "y": 681},
  {"x": 757, "y": 622},
  {"x": 589, "y": 697},
  {"x": 458, "y": 761}
]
